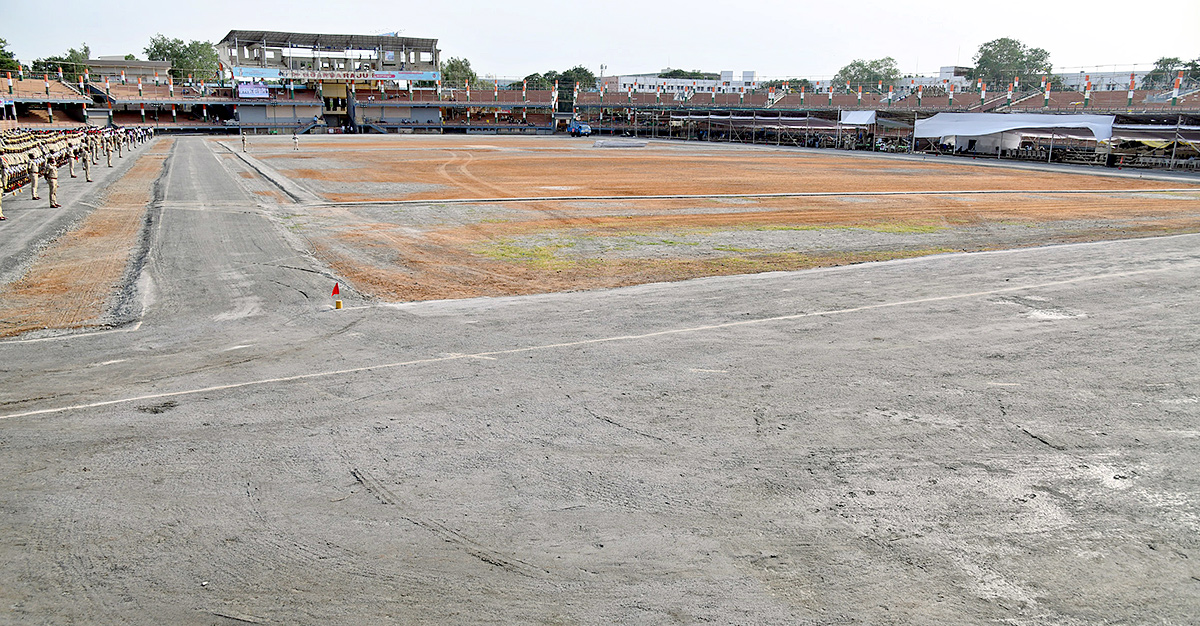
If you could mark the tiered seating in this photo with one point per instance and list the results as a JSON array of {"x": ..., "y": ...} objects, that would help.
[{"x": 36, "y": 88}]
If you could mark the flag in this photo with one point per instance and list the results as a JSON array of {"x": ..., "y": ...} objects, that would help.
[{"x": 1131, "y": 79}]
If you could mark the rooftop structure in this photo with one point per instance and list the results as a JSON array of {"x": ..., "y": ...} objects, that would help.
[{"x": 256, "y": 54}]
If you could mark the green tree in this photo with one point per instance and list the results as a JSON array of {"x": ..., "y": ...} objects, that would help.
[
  {"x": 8, "y": 61},
  {"x": 457, "y": 71},
  {"x": 1164, "y": 72},
  {"x": 198, "y": 58},
  {"x": 72, "y": 63},
  {"x": 869, "y": 73},
  {"x": 998, "y": 61},
  {"x": 535, "y": 81},
  {"x": 794, "y": 84},
  {"x": 693, "y": 75}
]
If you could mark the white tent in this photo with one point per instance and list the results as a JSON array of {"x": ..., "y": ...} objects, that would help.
[
  {"x": 982, "y": 124},
  {"x": 858, "y": 118}
]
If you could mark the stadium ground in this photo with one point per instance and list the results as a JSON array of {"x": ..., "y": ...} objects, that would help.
[{"x": 995, "y": 437}]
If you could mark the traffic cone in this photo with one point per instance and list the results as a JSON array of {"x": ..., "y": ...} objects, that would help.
[{"x": 337, "y": 304}]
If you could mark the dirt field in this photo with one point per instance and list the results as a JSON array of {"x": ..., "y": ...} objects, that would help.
[
  {"x": 390, "y": 246},
  {"x": 71, "y": 283}
]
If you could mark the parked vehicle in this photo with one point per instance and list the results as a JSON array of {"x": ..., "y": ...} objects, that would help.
[{"x": 579, "y": 129}]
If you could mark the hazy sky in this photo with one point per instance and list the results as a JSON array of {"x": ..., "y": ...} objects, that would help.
[{"x": 776, "y": 38}]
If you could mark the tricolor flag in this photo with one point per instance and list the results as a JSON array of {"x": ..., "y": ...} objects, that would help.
[
  {"x": 467, "y": 84},
  {"x": 801, "y": 95},
  {"x": 951, "y": 94},
  {"x": 1131, "y": 79},
  {"x": 982, "y": 92},
  {"x": 155, "y": 78},
  {"x": 1010, "y": 90},
  {"x": 122, "y": 77},
  {"x": 860, "y": 94},
  {"x": 1087, "y": 92},
  {"x": 60, "y": 74},
  {"x": 46, "y": 77},
  {"x": 1046, "y": 98},
  {"x": 889, "y": 95},
  {"x": 495, "y": 89},
  {"x": 1175, "y": 92},
  {"x": 524, "y": 91},
  {"x": 139, "y": 86},
  {"x": 920, "y": 92}
]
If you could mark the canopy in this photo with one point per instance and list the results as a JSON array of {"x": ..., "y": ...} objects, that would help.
[
  {"x": 976, "y": 124},
  {"x": 858, "y": 118}
]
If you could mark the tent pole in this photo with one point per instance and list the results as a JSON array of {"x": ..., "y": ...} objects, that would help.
[
  {"x": 912, "y": 146},
  {"x": 1175, "y": 144},
  {"x": 1050, "y": 156}
]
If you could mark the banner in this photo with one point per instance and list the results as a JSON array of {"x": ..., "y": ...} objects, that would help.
[
  {"x": 267, "y": 72},
  {"x": 253, "y": 90}
]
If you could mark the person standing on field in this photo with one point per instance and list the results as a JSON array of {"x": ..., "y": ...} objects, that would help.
[{"x": 50, "y": 168}]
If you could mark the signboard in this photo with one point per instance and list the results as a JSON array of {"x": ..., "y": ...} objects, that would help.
[
  {"x": 252, "y": 90},
  {"x": 267, "y": 72},
  {"x": 389, "y": 56}
]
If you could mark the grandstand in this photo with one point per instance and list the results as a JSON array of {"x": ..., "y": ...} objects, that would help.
[{"x": 281, "y": 82}]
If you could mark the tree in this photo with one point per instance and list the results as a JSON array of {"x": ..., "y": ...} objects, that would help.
[
  {"x": 1166, "y": 69},
  {"x": 198, "y": 58},
  {"x": 998, "y": 61},
  {"x": 535, "y": 82},
  {"x": 456, "y": 72},
  {"x": 869, "y": 73},
  {"x": 7, "y": 60},
  {"x": 693, "y": 75},
  {"x": 794, "y": 84},
  {"x": 72, "y": 63}
]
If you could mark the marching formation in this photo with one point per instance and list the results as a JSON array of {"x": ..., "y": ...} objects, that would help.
[{"x": 28, "y": 156}]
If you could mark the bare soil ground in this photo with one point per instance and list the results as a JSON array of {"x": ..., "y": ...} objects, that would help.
[
  {"x": 408, "y": 251},
  {"x": 71, "y": 283}
]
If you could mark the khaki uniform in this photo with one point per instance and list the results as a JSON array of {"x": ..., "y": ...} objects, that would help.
[
  {"x": 51, "y": 171},
  {"x": 33, "y": 182},
  {"x": 87, "y": 166},
  {"x": 108, "y": 150}
]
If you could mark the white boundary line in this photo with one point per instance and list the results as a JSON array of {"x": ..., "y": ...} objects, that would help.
[{"x": 613, "y": 339}]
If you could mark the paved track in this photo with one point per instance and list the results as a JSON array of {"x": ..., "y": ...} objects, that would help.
[{"x": 990, "y": 438}]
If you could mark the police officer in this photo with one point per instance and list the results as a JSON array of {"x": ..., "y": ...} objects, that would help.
[
  {"x": 51, "y": 171},
  {"x": 3, "y": 185},
  {"x": 34, "y": 164},
  {"x": 108, "y": 149},
  {"x": 87, "y": 165}
]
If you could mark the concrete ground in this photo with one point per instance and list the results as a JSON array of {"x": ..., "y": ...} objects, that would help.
[{"x": 999, "y": 437}]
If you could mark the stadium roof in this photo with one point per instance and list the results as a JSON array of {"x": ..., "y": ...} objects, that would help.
[{"x": 327, "y": 41}]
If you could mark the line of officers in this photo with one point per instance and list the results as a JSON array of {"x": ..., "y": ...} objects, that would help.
[{"x": 27, "y": 156}]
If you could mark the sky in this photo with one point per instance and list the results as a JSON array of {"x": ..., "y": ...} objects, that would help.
[{"x": 775, "y": 38}]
